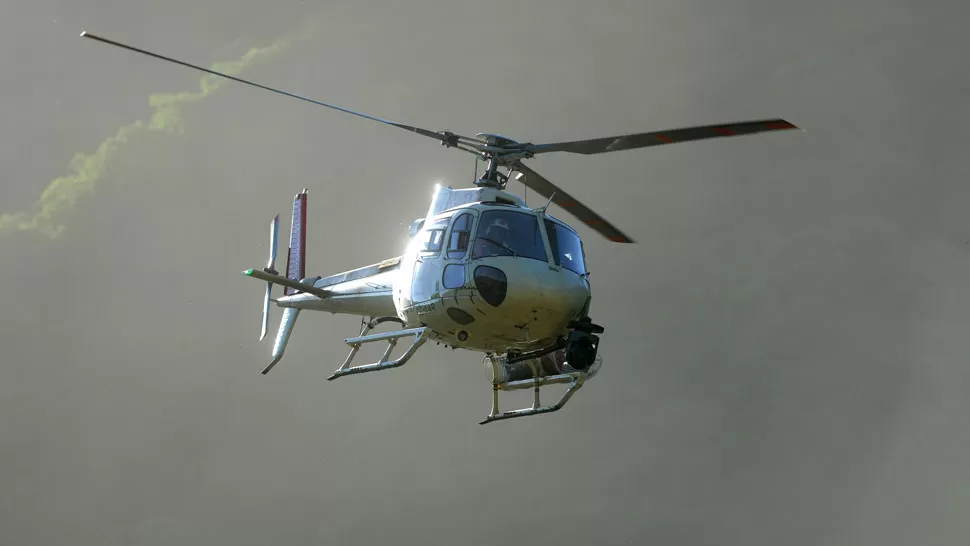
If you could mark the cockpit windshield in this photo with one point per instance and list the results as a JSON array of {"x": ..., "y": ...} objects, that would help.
[
  {"x": 567, "y": 248},
  {"x": 508, "y": 233}
]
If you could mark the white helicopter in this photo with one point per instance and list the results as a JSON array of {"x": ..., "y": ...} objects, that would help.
[{"x": 482, "y": 271}]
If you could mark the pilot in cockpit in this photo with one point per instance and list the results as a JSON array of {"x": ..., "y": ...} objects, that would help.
[{"x": 494, "y": 242}]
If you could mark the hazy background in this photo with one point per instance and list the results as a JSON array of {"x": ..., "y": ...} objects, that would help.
[{"x": 785, "y": 347}]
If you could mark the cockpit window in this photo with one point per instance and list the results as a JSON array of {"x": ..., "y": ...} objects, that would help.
[
  {"x": 433, "y": 237},
  {"x": 567, "y": 248},
  {"x": 508, "y": 233},
  {"x": 460, "y": 234}
]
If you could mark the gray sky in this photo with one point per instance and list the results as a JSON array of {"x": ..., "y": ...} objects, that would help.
[{"x": 785, "y": 347}]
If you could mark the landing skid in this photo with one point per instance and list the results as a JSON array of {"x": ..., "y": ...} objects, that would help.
[
  {"x": 421, "y": 336},
  {"x": 575, "y": 380},
  {"x": 509, "y": 373}
]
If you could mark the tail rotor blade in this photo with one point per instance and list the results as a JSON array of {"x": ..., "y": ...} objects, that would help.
[
  {"x": 266, "y": 300},
  {"x": 274, "y": 234}
]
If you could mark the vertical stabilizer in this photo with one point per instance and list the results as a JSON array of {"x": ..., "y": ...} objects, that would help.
[
  {"x": 283, "y": 336},
  {"x": 296, "y": 260}
]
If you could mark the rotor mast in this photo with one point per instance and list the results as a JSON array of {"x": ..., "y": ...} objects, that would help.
[
  {"x": 499, "y": 151},
  {"x": 492, "y": 178}
]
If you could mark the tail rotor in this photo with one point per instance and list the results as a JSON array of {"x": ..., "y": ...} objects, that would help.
[{"x": 270, "y": 268}]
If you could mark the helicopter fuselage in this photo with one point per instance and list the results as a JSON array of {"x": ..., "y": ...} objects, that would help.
[
  {"x": 491, "y": 275},
  {"x": 482, "y": 271}
]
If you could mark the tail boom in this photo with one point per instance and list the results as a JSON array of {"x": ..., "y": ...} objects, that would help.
[
  {"x": 370, "y": 296},
  {"x": 364, "y": 291}
]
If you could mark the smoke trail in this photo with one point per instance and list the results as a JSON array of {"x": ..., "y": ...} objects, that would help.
[{"x": 87, "y": 169}]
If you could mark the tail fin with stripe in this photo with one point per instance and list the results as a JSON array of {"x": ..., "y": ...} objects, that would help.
[{"x": 296, "y": 260}]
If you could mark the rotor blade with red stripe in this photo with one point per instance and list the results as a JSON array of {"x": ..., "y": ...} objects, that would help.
[
  {"x": 447, "y": 138},
  {"x": 570, "y": 204},
  {"x": 658, "y": 138}
]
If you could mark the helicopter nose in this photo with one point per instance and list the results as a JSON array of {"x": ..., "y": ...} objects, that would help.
[
  {"x": 564, "y": 292},
  {"x": 492, "y": 284},
  {"x": 526, "y": 292}
]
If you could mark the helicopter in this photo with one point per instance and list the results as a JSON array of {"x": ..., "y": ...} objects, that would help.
[{"x": 481, "y": 272}]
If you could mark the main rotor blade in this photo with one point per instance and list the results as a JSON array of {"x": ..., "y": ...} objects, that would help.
[
  {"x": 447, "y": 138},
  {"x": 658, "y": 138},
  {"x": 547, "y": 189}
]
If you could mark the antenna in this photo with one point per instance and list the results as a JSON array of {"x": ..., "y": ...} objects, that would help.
[{"x": 549, "y": 202}]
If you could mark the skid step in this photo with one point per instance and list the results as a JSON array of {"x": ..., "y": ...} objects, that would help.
[
  {"x": 575, "y": 382},
  {"x": 420, "y": 337},
  {"x": 534, "y": 373}
]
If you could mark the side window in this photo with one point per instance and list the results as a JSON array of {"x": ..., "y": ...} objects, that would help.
[
  {"x": 433, "y": 237},
  {"x": 567, "y": 248},
  {"x": 461, "y": 232}
]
